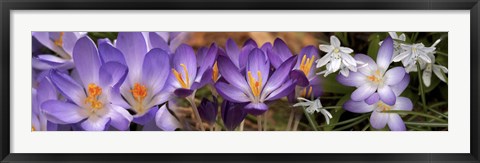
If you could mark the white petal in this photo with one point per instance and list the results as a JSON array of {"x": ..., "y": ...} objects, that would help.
[
  {"x": 427, "y": 75},
  {"x": 334, "y": 41},
  {"x": 324, "y": 60},
  {"x": 438, "y": 72},
  {"x": 335, "y": 64},
  {"x": 344, "y": 71},
  {"x": 346, "y": 50},
  {"x": 326, "y": 48},
  {"x": 425, "y": 58},
  {"x": 401, "y": 56}
]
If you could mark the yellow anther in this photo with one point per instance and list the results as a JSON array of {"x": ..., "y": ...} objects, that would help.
[
  {"x": 375, "y": 77},
  {"x": 306, "y": 64},
  {"x": 179, "y": 76},
  {"x": 383, "y": 107},
  {"x": 33, "y": 129},
  {"x": 215, "y": 72},
  {"x": 306, "y": 93},
  {"x": 93, "y": 92},
  {"x": 139, "y": 92},
  {"x": 255, "y": 85},
  {"x": 59, "y": 41}
]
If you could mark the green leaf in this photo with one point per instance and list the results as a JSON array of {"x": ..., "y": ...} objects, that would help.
[
  {"x": 373, "y": 46},
  {"x": 337, "y": 113},
  {"x": 331, "y": 85}
]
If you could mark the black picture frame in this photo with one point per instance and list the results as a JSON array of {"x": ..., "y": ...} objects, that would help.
[{"x": 8, "y": 5}]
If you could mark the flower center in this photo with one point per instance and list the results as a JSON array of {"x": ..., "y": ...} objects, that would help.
[
  {"x": 376, "y": 77},
  {"x": 336, "y": 50},
  {"x": 94, "y": 92},
  {"x": 306, "y": 64},
  {"x": 215, "y": 72},
  {"x": 336, "y": 53},
  {"x": 306, "y": 93},
  {"x": 139, "y": 92},
  {"x": 414, "y": 49},
  {"x": 255, "y": 85},
  {"x": 59, "y": 41},
  {"x": 183, "y": 83},
  {"x": 383, "y": 107}
]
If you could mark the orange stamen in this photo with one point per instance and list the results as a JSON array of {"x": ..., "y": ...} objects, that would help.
[
  {"x": 215, "y": 72},
  {"x": 306, "y": 64},
  {"x": 93, "y": 92},
  {"x": 255, "y": 85},
  {"x": 59, "y": 41},
  {"x": 139, "y": 92},
  {"x": 179, "y": 76}
]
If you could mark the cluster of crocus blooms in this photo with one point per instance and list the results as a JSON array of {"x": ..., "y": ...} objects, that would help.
[{"x": 138, "y": 77}]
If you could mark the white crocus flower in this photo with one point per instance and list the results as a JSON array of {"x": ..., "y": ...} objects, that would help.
[
  {"x": 337, "y": 57},
  {"x": 397, "y": 40},
  {"x": 314, "y": 106},
  {"x": 438, "y": 70}
]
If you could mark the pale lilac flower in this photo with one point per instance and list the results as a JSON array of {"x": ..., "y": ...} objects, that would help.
[
  {"x": 397, "y": 40},
  {"x": 62, "y": 44},
  {"x": 44, "y": 92},
  {"x": 375, "y": 77}
]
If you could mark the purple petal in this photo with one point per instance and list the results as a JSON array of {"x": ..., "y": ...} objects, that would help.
[
  {"x": 287, "y": 88},
  {"x": 233, "y": 52},
  {"x": 386, "y": 95},
  {"x": 400, "y": 87},
  {"x": 69, "y": 40},
  {"x": 250, "y": 42},
  {"x": 65, "y": 113},
  {"x": 373, "y": 99},
  {"x": 68, "y": 87},
  {"x": 403, "y": 103},
  {"x": 281, "y": 50},
  {"x": 158, "y": 42},
  {"x": 109, "y": 53},
  {"x": 120, "y": 118},
  {"x": 311, "y": 53},
  {"x": 156, "y": 67},
  {"x": 134, "y": 47},
  {"x": 231, "y": 92},
  {"x": 45, "y": 40},
  {"x": 280, "y": 75},
  {"x": 394, "y": 75},
  {"x": 87, "y": 61},
  {"x": 45, "y": 91},
  {"x": 395, "y": 123},
  {"x": 244, "y": 53},
  {"x": 165, "y": 120},
  {"x": 182, "y": 92},
  {"x": 147, "y": 117},
  {"x": 363, "y": 92},
  {"x": 231, "y": 74},
  {"x": 208, "y": 110},
  {"x": 378, "y": 120},
  {"x": 258, "y": 62},
  {"x": 177, "y": 38},
  {"x": 232, "y": 114},
  {"x": 354, "y": 79},
  {"x": 357, "y": 106},
  {"x": 300, "y": 77},
  {"x": 256, "y": 108},
  {"x": 186, "y": 56},
  {"x": 266, "y": 47},
  {"x": 208, "y": 61},
  {"x": 95, "y": 123},
  {"x": 370, "y": 68},
  {"x": 385, "y": 53},
  {"x": 112, "y": 74}
]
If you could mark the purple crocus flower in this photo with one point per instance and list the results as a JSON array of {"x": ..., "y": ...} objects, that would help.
[
  {"x": 208, "y": 110},
  {"x": 88, "y": 103},
  {"x": 61, "y": 43},
  {"x": 168, "y": 41},
  {"x": 256, "y": 86},
  {"x": 239, "y": 56},
  {"x": 45, "y": 91},
  {"x": 375, "y": 77},
  {"x": 232, "y": 114},
  {"x": 186, "y": 77},
  {"x": 145, "y": 87},
  {"x": 378, "y": 119}
]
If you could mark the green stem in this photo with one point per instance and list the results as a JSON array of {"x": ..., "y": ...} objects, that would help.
[
  {"x": 422, "y": 91},
  {"x": 332, "y": 107},
  {"x": 347, "y": 121},
  {"x": 438, "y": 104},
  {"x": 442, "y": 53},
  {"x": 415, "y": 113},
  {"x": 310, "y": 120},
  {"x": 437, "y": 112},
  {"x": 427, "y": 124},
  {"x": 415, "y": 128},
  {"x": 191, "y": 99},
  {"x": 350, "y": 125},
  {"x": 366, "y": 127}
]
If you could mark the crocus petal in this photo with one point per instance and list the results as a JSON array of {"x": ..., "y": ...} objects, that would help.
[
  {"x": 371, "y": 65},
  {"x": 281, "y": 49},
  {"x": 158, "y": 42},
  {"x": 69, "y": 40},
  {"x": 256, "y": 108},
  {"x": 87, "y": 60},
  {"x": 147, "y": 117},
  {"x": 233, "y": 51},
  {"x": 156, "y": 68},
  {"x": 258, "y": 62},
  {"x": 374, "y": 98},
  {"x": 354, "y": 79},
  {"x": 386, "y": 95},
  {"x": 385, "y": 53},
  {"x": 68, "y": 87},
  {"x": 280, "y": 75},
  {"x": 244, "y": 53},
  {"x": 395, "y": 123},
  {"x": 112, "y": 74},
  {"x": 231, "y": 74},
  {"x": 266, "y": 47},
  {"x": 44, "y": 39},
  {"x": 394, "y": 75},
  {"x": 363, "y": 92},
  {"x": 378, "y": 120},
  {"x": 334, "y": 41},
  {"x": 207, "y": 62},
  {"x": 133, "y": 46},
  {"x": 185, "y": 56},
  {"x": 95, "y": 123},
  {"x": 182, "y": 92},
  {"x": 231, "y": 93},
  {"x": 300, "y": 78},
  {"x": 165, "y": 120},
  {"x": 176, "y": 39},
  {"x": 120, "y": 118},
  {"x": 109, "y": 53},
  {"x": 232, "y": 114},
  {"x": 250, "y": 42},
  {"x": 282, "y": 91},
  {"x": 403, "y": 103},
  {"x": 45, "y": 91},
  {"x": 63, "y": 112},
  {"x": 400, "y": 87},
  {"x": 357, "y": 106}
]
